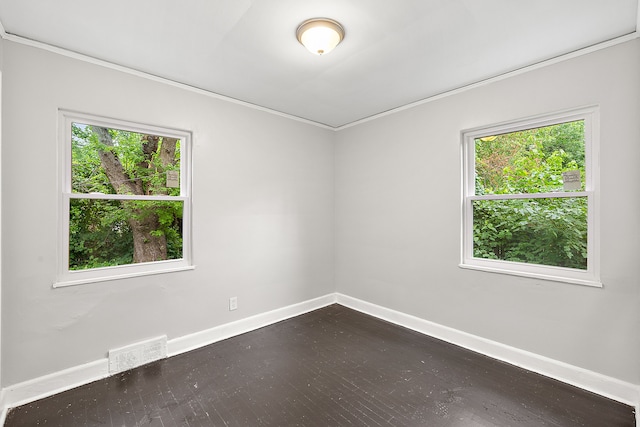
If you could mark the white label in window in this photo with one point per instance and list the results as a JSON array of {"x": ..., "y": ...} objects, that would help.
[
  {"x": 571, "y": 180},
  {"x": 173, "y": 179}
]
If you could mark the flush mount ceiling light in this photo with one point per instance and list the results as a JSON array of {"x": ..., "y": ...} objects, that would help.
[{"x": 320, "y": 35}]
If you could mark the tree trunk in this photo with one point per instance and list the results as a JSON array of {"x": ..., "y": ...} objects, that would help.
[
  {"x": 146, "y": 246},
  {"x": 113, "y": 168},
  {"x": 168, "y": 151}
]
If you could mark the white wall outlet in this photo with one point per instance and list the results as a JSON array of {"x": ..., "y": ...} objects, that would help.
[{"x": 233, "y": 303}]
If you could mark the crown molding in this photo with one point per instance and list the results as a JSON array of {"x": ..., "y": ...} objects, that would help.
[
  {"x": 113, "y": 66},
  {"x": 526, "y": 69}
]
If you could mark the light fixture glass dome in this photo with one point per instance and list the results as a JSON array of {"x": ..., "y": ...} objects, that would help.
[{"x": 320, "y": 35}]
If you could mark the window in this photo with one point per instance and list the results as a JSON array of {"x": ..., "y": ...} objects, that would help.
[
  {"x": 125, "y": 199},
  {"x": 530, "y": 198}
]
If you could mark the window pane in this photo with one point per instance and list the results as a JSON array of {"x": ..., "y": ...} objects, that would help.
[
  {"x": 113, "y": 161},
  {"x": 104, "y": 233},
  {"x": 545, "y": 231},
  {"x": 530, "y": 161}
]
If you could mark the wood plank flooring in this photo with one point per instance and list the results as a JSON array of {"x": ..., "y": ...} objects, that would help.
[{"x": 330, "y": 367}]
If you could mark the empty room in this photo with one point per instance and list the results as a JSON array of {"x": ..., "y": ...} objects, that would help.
[{"x": 320, "y": 213}]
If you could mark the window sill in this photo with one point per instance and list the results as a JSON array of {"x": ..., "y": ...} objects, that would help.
[
  {"x": 116, "y": 276},
  {"x": 571, "y": 280}
]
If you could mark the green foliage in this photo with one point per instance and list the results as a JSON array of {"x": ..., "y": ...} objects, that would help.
[
  {"x": 88, "y": 175},
  {"x": 546, "y": 231},
  {"x": 529, "y": 161},
  {"x": 100, "y": 232}
]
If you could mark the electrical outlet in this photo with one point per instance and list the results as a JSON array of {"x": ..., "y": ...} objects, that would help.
[{"x": 233, "y": 303}]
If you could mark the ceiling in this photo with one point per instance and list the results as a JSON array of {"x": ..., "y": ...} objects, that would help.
[{"x": 394, "y": 53}]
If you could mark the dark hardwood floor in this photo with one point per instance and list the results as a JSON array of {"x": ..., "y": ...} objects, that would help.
[{"x": 330, "y": 367}]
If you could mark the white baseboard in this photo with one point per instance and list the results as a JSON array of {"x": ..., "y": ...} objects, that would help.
[
  {"x": 603, "y": 385},
  {"x": 38, "y": 388},
  {"x": 48, "y": 385},
  {"x": 228, "y": 330}
]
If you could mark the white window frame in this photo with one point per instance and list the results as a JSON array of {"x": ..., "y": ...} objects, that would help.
[
  {"x": 588, "y": 277},
  {"x": 66, "y": 277}
]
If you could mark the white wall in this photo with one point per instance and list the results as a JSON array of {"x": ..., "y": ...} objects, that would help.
[
  {"x": 1, "y": 67},
  {"x": 262, "y": 214},
  {"x": 398, "y": 198}
]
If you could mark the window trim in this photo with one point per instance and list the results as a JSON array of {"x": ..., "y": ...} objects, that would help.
[
  {"x": 66, "y": 277},
  {"x": 588, "y": 277}
]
